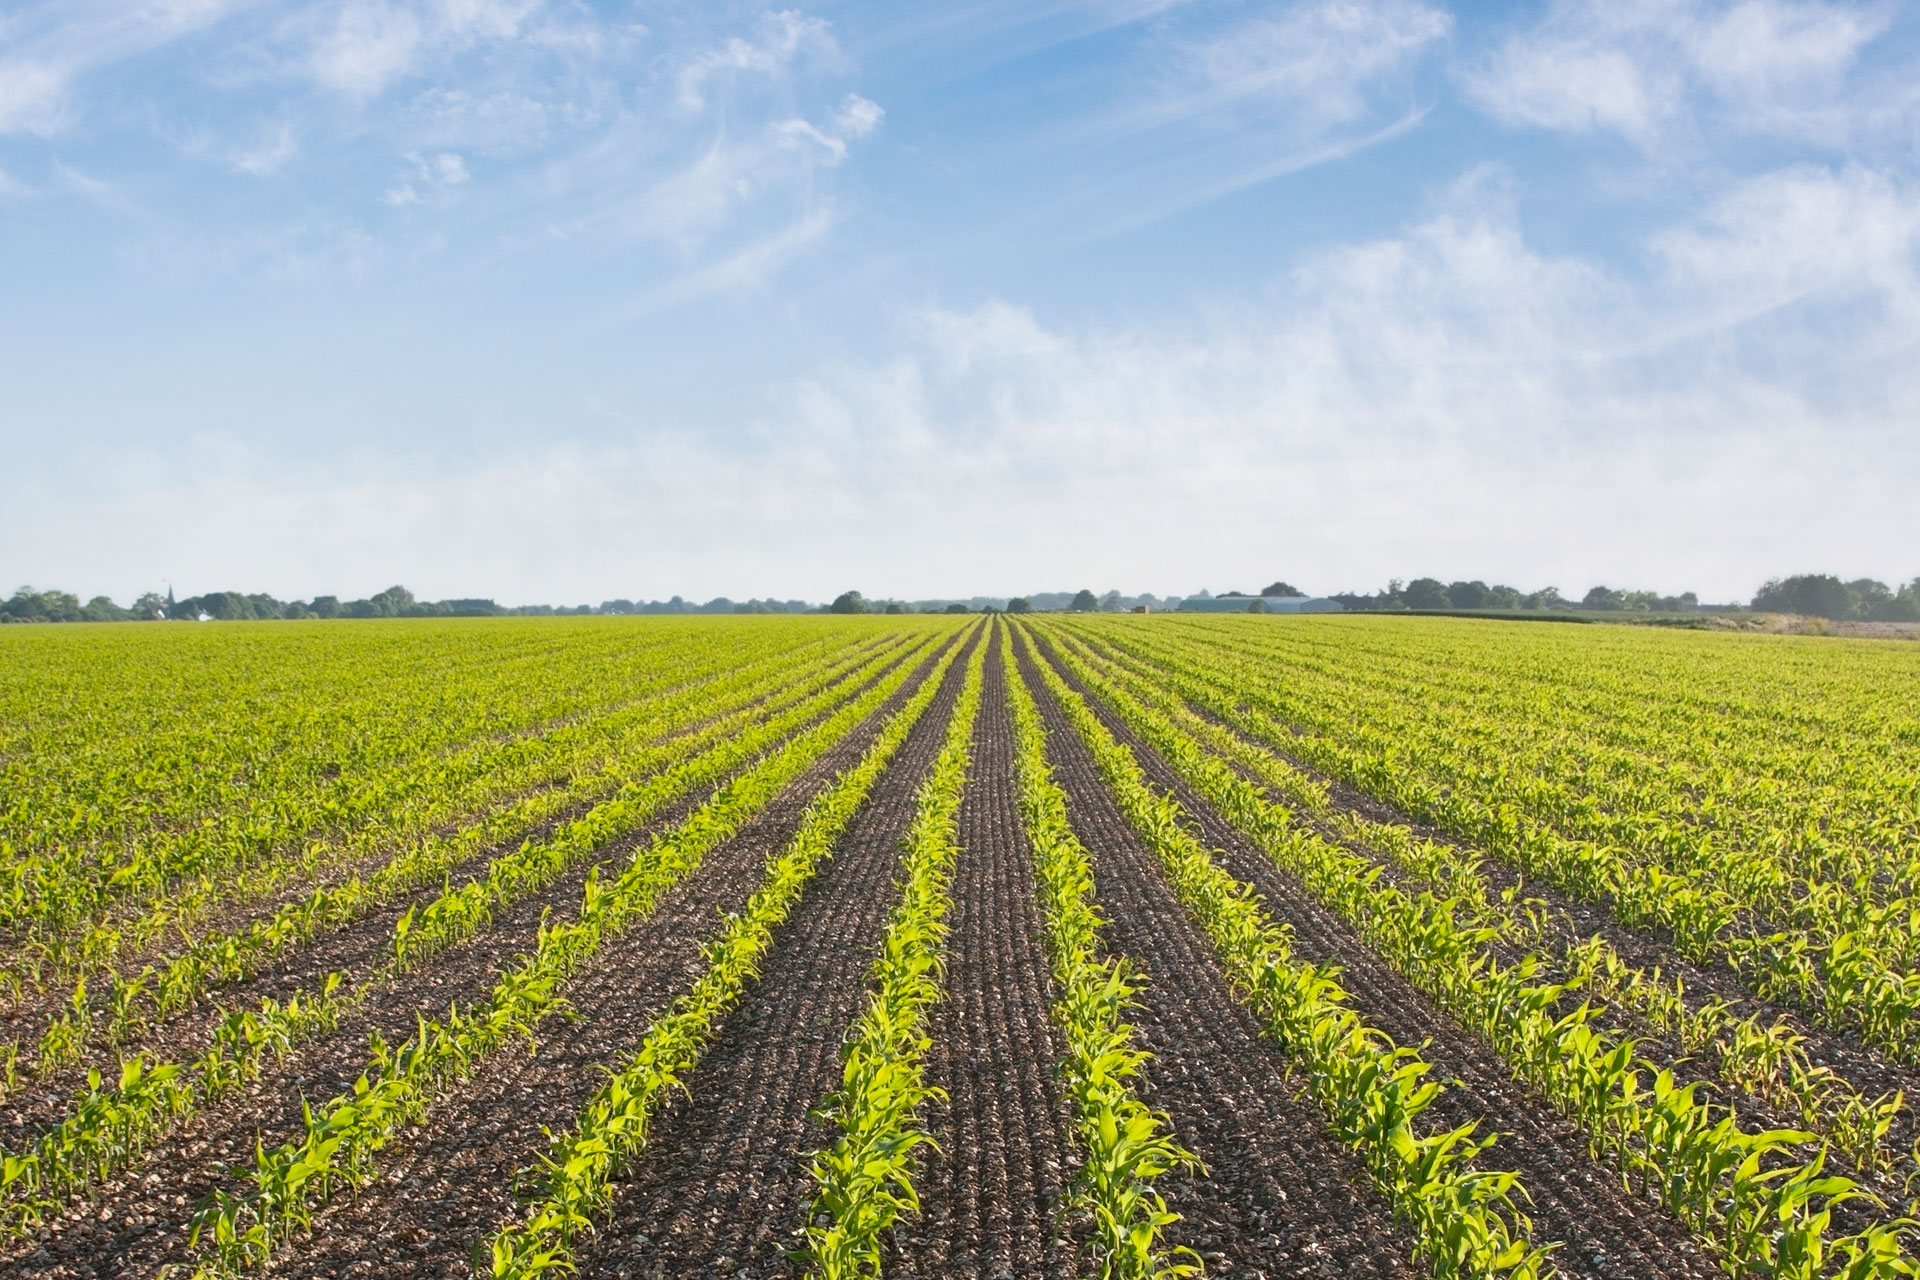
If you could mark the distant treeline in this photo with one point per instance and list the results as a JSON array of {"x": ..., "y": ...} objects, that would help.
[
  {"x": 1812, "y": 595},
  {"x": 28, "y": 605},
  {"x": 1817, "y": 595}
]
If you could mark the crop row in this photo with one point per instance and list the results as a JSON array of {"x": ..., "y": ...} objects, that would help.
[
  {"x": 1763, "y": 1208},
  {"x": 1125, "y": 1146},
  {"x": 865, "y": 1179},
  {"x": 106, "y": 1131},
  {"x": 1466, "y": 1219},
  {"x": 575, "y": 1178},
  {"x": 1763, "y": 1059}
]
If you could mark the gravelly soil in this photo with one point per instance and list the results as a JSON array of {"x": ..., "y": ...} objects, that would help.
[
  {"x": 453, "y": 1183},
  {"x": 349, "y": 949},
  {"x": 993, "y": 1198},
  {"x": 1606, "y": 1232},
  {"x": 723, "y": 1186},
  {"x": 1864, "y": 1068},
  {"x": 1281, "y": 1197},
  {"x": 139, "y": 1220}
]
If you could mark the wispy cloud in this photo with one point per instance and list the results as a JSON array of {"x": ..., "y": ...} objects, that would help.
[
  {"x": 746, "y": 268},
  {"x": 46, "y": 50},
  {"x": 782, "y": 39},
  {"x": 1644, "y": 69},
  {"x": 433, "y": 175},
  {"x": 1245, "y": 103},
  {"x": 1446, "y": 399},
  {"x": 1315, "y": 65}
]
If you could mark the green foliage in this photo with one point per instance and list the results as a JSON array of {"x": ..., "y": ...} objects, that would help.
[
  {"x": 1716, "y": 1176},
  {"x": 1821, "y": 595},
  {"x": 575, "y": 1177},
  {"x": 865, "y": 1178},
  {"x": 1466, "y": 1221},
  {"x": 1126, "y": 1146}
]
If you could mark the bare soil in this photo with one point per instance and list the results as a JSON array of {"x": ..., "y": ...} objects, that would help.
[
  {"x": 1606, "y": 1232},
  {"x": 139, "y": 1220},
  {"x": 993, "y": 1198},
  {"x": 723, "y": 1188}
]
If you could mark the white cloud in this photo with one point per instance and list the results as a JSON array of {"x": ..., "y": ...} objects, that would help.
[
  {"x": 1250, "y": 101},
  {"x": 33, "y": 97},
  {"x": 783, "y": 38},
  {"x": 436, "y": 174},
  {"x": 1321, "y": 61},
  {"x": 47, "y": 50},
  {"x": 857, "y": 117},
  {"x": 1447, "y": 400},
  {"x": 369, "y": 47},
  {"x": 747, "y": 268},
  {"x": 268, "y": 156},
  {"x": 1762, "y": 46},
  {"x": 1642, "y": 68},
  {"x": 1803, "y": 235}
]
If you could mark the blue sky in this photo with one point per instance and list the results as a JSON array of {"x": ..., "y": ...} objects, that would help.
[{"x": 564, "y": 301}]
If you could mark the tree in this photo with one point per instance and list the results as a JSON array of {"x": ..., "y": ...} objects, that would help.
[
  {"x": 1112, "y": 602},
  {"x": 1602, "y": 598},
  {"x": 1019, "y": 604},
  {"x": 1902, "y": 606},
  {"x": 1259, "y": 605},
  {"x": 1868, "y": 595},
  {"x": 1427, "y": 593},
  {"x": 1470, "y": 595},
  {"x": 957, "y": 607},
  {"x": 1284, "y": 590},
  {"x": 391, "y": 603},
  {"x": 848, "y": 602},
  {"x": 1084, "y": 602},
  {"x": 1817, "y": 595},
  {"x": 1505, "y": 597},
  {"x": 894, "y": 606}
]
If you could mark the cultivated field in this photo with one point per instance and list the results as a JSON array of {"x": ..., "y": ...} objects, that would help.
[{"x": 957, "y": 947}]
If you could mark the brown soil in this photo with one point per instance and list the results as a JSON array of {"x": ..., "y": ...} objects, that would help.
[
  {"x": 1281, "y": 1197},
  {"x": 1605, "y": 1231},
  {"x": 1864, "y": 1068},
  {"x": 139, "y": 1220},
  {"x": 993, "y": 1198},
  {"x": 355, "y": 948},
  {"x": 723, "y": 1187}
]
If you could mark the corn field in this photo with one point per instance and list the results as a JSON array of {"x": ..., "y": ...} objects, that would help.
[{"x": 1087, "y": 947}]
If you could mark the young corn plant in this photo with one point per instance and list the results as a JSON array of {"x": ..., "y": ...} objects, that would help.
[
  {"x": 865, "y": 1179},
  {"x": 343, "y": 1138},
  {"x": 575, "y": 1177},
  {"x": 1697, "y": 1160},
  {"x": 1126, "y": 1145},
  {"x": 1467, "y": 1222}
]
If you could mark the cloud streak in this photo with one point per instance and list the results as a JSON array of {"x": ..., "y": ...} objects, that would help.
[
  {"x": 1644, "y": 69},
  {"x": 1449, "y": 399}
]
